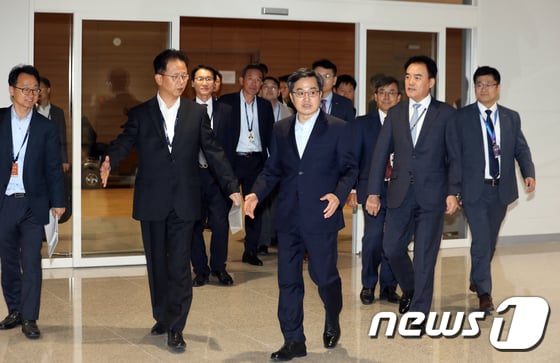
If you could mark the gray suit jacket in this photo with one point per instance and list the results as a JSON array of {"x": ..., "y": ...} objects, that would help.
[
  {"x": 513, "y": 146},
  {"x": 432, "y": 167}
]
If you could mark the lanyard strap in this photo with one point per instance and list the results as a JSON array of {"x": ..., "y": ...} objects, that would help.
[
  {"x": 418, "y": 119},
  {"x": 490, "y": 126},
  {"x": 16, "y": 157},
  {"x": 250, "y": 126},
  {"x": 165, "y": 129}
]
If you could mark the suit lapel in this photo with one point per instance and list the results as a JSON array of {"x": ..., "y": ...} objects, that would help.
[
  {"x": 431, "y": 115},
  {"x": 157, "y": 119},
  {"x": 318, "y": 129},
  {"x": 505, "y": 127}
]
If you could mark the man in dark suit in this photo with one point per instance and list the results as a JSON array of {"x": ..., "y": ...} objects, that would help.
[
  {"x": 247, "y": 145},
  {"x": 56, "y": 114},
  {"x": 332, "y": 103},
  {"x": 425, "y": 181},
  {"x": 169, "y": 131},
  {"x": 491, "y": 141},
  {"x": 215, "y": 203},
  {"x": 312, "y": 162},
  {"x": 366, "y": 131},
  {"x": 32, "y": 187}
]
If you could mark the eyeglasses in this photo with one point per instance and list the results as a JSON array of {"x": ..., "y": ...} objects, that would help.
[
  {"x": 327, "y": 76},
  {"x": 313, "y": 92},
  {"x": 176, "y": 77},
  {"x": 202, "y": 79},
  {"x": 28, "y": 91},
  {"x": 387, "y": 93},
  {"x": 485, "y": 85},
  {"x": 269, "y": 87}
]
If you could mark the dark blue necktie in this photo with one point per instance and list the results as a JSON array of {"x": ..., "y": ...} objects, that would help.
[{"x": 491, "y": 139}]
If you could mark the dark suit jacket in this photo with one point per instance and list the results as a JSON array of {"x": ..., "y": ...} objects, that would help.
[
  {"x": 167, "y": 181},
  {"x": 266, "y": 122},
  {"x": 222, "y": 115},
  {"x": 342, "y": 108},
  {"x": 366, "y": 132},
  {"x": 513, "y": 146},
  {"x": 57, "y": 116},
  {"x": 42, "y": 171},
  {"x": 327, "y": 166},
  {"x": 432, "y": 167}
]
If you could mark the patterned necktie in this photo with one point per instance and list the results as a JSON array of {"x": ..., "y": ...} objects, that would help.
[
  {"x": 493, "y": 166},
  {"x": 414, "y": 122},
  {"x": 324, "y": 105}
]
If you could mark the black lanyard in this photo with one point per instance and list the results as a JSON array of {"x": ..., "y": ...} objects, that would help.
[
  {"x": 250, "y": 126},
  {"x": 15, "y": 158}
]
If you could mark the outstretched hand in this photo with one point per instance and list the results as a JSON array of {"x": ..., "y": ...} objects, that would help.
[{"x": 105, "y": 170}]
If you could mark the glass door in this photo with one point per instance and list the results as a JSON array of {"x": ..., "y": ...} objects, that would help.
[{"x": 117, "y": 74}]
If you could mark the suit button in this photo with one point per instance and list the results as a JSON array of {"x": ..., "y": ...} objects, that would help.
[{"x": 300, "y": 172}]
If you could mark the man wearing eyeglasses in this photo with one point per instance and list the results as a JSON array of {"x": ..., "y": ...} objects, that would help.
[
  {"x": 312, "y": 163},
  {"x": 32, "y": 187},
  {"x": 424, "y": 183},
  {"x": 247, "y": 146},
  {"x": 332, "y": 103},
  {"x": 215, "y": 202},
  {"x": 169, "y": 131},
  {"x": 366, "y": 130},
  {"x": 491, "y": 141}
]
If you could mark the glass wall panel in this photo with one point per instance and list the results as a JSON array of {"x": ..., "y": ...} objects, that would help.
[
  {"x": 117, "y": 74},
  {"x": 52, "y": 49}
]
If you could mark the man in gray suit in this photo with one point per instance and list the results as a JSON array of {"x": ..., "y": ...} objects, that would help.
[
  {"x": 424, "y": 182},
  {"x": 491, "y": 140}
]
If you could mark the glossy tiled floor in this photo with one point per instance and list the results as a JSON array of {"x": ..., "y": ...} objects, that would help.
[{"x": 103, "y": 315}]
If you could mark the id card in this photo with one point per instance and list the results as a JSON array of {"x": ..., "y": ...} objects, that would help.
[
  {"x": 496, "y": 150},
  {"x": 14, "y": 168}
]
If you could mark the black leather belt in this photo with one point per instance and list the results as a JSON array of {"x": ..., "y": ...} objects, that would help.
[
  {"x": 492, "y": 182},
  {"x": 248, "y": 154},
  {"x": 17, "y": 195}
]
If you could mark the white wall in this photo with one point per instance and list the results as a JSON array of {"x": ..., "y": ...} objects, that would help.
[
  {"x": 15, "y": 32},
  {"x": 520, "y": 38},
  {"x": 516, "y": 36}
]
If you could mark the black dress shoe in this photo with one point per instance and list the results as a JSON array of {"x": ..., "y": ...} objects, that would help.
[
  {"x": 485, "y": 304},
  {"x": 331, "y": 335},
  {"x": 158, "y": 329},
  {"x": 223, "y": 277},
  {"x": 11, "y": 321},
  {"x": 262, "y": 250},
  {"x": 404, "y": 304},
  {"x": 30, "y": 329},
  {"x": 176, "y": 342},
  {"x": 251, "y": 259},
  {"x": 390, "y": 295},
  {"x": 200, "y": 280},
  {"x": 289, "y": 351},
  {"x": 366, "y": 295}
]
